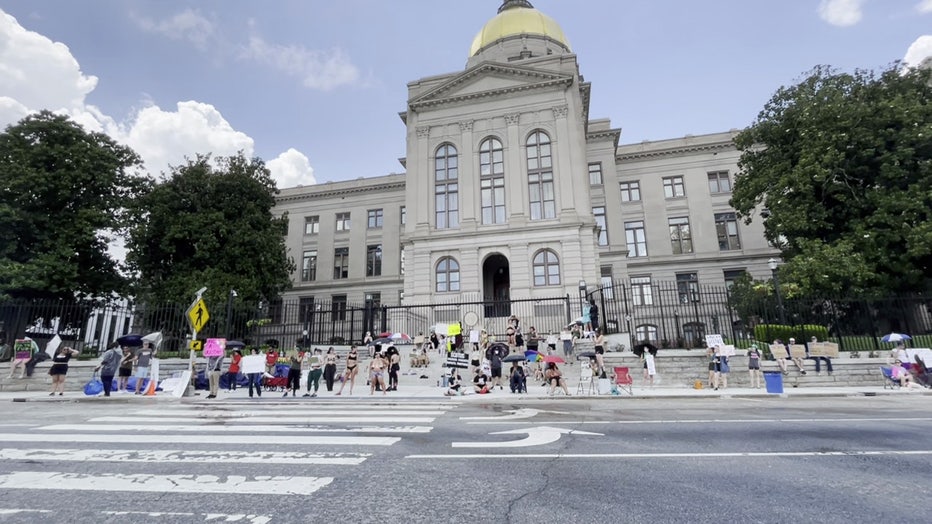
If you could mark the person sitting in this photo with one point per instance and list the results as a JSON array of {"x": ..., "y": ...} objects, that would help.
[
  {"x": 518, "y": 380},
  {"x": 818, "y": 367},
  {"x": 456, "y": 387},
  {"x": 480, "y": 382},
  {"x": 555, "y": 378},
  {"x": 898, "y": 372}
]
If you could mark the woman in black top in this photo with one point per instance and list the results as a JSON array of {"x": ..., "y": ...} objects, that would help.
[{"x": 59, "y": 368}]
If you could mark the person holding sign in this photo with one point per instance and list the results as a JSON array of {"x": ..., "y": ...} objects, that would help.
[
  {"x": 23, "y": 349},
  {"x": 754, "y": 366},
  {"x": 142, "y": 361},
  {"x": 818, "y": 358}
]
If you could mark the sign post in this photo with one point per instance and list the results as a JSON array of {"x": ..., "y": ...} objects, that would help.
[{"x": 197, "y": 316}]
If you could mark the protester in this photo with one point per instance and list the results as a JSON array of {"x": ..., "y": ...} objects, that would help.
[
  {"x": 126, "y": 370},
  {"x": 109, "y": 364},
  {"x": 142, "y": 361},
  {"x": 480, "y": 382},
  {"x": 377, "y": 374},
  {"x": 713, "y": 365},
  {"x": 555, "y": 379},
  {"x": 819, "y": 359},
  {"x": 352, "y": 368},
  {"x": 255, "y": 379},
  {"x": 394, "y": 366},
  {"x": 314, "y": 363},
  {"x": 650, "y": 368},
  {"x": 455, "y": 384},
  {"x": 518, "y": 380},
  {"x": 233, "y": 371},
  {"x": 59, "y": 368},
  {"x": 294, "y": 374},
  {"x": 214, "y": 370},
  {"x": 330, "y": 368},
  {"x": 754, "y": 366}
]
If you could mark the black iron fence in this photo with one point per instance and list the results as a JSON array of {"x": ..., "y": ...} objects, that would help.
[{"x": 673, "y": 315}]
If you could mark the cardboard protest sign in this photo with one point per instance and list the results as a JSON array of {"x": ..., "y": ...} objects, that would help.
[{"x": 215, "y": 347}]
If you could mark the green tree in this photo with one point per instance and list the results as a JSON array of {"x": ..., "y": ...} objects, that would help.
[
  {"x": 64, "y": 192},
  {"x": 843, "y": 164},
  {"x": 211, "y": 224}
]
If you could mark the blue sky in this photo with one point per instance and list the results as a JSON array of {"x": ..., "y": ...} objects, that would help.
[{"x": 314, "y": 87}]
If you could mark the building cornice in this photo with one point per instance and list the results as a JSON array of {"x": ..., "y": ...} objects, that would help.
[
  {"x": 328, "y": 190},
  {"x": 682, "y": 146}
]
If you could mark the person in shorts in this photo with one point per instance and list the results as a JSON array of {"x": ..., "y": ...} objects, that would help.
[
  {"x": 126, "y": 370},
  {"x": 143, "y": 360}
]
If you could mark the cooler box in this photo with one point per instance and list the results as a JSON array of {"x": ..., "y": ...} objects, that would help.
[{"x": 773, "y": 381}]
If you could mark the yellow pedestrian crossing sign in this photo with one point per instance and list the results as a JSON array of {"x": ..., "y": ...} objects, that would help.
[
  {"x": 196, "y": 345},
  {"x": 198, "y": 315}
]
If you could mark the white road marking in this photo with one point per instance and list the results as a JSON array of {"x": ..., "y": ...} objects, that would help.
[
  {"x": 207, "y": 517},
  {"x": 852, "y": 453},
  {"x": 205, "y": 438},
  {"x": 515, "y": 414},
  {"x": 712, "y": 421},
  {"x": 291, "y": 413},
  {"x": 276, "y": 420},
  {"x": 233, "y": 428},
  {"x": 17, "y": 511},
  {"x": 535, "y": 437},
  {"x": 184, "y": 456},
  {"x": 232, "y": 484}
]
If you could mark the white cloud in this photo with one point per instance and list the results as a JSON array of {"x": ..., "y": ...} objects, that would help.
[
  {"x": 291, "y": 168},
  {"x": 842, "y": 13},
  {"x": 322, "y": 70},
  {"x": 925, "y": 6},
  {"x": 920, "y": 50},
  {"x": 188, "y": 25}
]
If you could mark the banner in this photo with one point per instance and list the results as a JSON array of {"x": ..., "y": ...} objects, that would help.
[
  {"x": 215, "y": 347},
  {"x": 457, "y": 360}
]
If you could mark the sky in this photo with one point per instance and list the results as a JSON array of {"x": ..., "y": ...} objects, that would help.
[{"x": 314, "y": 87}]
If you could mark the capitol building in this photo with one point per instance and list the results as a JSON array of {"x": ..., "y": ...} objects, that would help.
[{"x": 511, "y": 190}]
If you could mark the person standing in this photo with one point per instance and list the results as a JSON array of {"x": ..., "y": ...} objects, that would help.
[
  {"x": 314, "y": 362},
  {"x": 233, "y": 371},
  {"x": 754, "y": 366},
  {"x": 377, "y": 374},
  {"x": 566, "y": 336},
  {"x": 294, "y": 373},
  {"x": 394, "y": 366},
  {"x": 214, "y": 370},
  {"x": 713, "y": 364},
  {"x": 593, "y": 314},
  {"x": 650, "y": 368},
  {"x": 599, "y": 344},
  {"x": 109, "y": 364},
  {"x": 330, "y": 368},
  {"x": 532, "y": 341},
  {"x": 126, "y": 370},
  {"x": 255, "y": 379},
  {"x": 59, "y": 368},
  {"x": 142, "y": 361},
  {"x": 352, "y": 369}
]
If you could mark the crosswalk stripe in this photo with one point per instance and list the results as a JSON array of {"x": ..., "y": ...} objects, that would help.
[
  {"x": 205, "y": 438},
  {"x": 232, "y": 484},
  {"x": 279, "y": 420},
  {"x": 233, "y": 429},
  {"x": 292, "y": 413},
  {"x": 187, "y": 456}
]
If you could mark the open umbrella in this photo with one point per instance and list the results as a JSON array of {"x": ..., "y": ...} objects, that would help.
[
  {"x": 382, "y": 341},
  {"x": 155, "y": 338},
  {"x": 235, "y": 344},
  {"x": 895, "y": 337},
  {"x": 553, "y": 358},
  {"x": 585, "y": 355},
  {"x": 532, "y": 356},
  {"x": 401, "y": 336},
  {"x": 639, "y": 349},
  {"x": 130, "y": 341},
  {"x": 500, "y": 347},
  {"x": 514, "y": 358}
]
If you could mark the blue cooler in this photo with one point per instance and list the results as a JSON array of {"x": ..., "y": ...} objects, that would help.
[{"x": 774, "y": 381}]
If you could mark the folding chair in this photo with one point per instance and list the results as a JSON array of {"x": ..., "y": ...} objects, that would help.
[
  {"x": 623, "y": 380},
  {"x": 587, "y": 384},
  {"x": 888, "y": 380}
]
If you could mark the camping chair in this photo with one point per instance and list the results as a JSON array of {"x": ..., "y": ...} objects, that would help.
[
  {"x": 586, "y": 381},
  {"x": 888, "y": 380},
  {"x": 623, "y": 380}
]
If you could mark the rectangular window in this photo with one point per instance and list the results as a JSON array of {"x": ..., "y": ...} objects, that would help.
[
  {"x": 309, "y": 266},
  {"x": 338, "y": 307},
  {"x": 402, "y": 268},
  {"x": 404, "y": 215},
  {"x": 543, "y": 203},
  {"x": 719, "y": 182},
  {"x": 311, "y": 225},
  {"x": 636, "y": 239},
  {"x": 630, "y": 191},
  {"x": 608, "y": 290},
  {"x": 446, "y": 199},
  {"x": 732, "y": 275},
  {"x": 599, "y": 213},
  {"x": 595, "y": 174},
  {"x": 673, "y": 187},
  {"x": 642, "y": 293},
  {"x": 492, "y": 194},
  {"x": 687, "y": 287},
  {"x": 343, "y": 221},
  {"x": 375, "y": 219},
  {"x": 680, "y": 238},
  {"x": 340, "y": 263},
  {"x": 305, "y": 307},
  {"x": 726, "y": 227},
  {"x": 374, "y": 260}
]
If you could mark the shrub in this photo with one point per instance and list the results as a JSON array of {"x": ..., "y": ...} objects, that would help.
[{"x": 769, "y": 332}]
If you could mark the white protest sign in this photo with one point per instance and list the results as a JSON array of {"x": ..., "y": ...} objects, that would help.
[
  {"x": 714, "y": 340},
  {"x": 253, "y": 364}
]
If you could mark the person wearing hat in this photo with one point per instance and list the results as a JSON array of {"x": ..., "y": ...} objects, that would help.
[{"x": 754, "y": 366}]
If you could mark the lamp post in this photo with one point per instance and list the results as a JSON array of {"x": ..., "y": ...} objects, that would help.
[
  {"x": 582, "y": 296},
  {"x": 773, "y": 264},
  {"x": 368, "y": 319},
  {"x": 230, "y": 313}
]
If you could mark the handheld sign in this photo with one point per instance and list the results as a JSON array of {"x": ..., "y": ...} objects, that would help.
[
  {"x": 215, "y": 347},
  {"x": 712, "y": 341},
  {"x": 253, "y": 364}
]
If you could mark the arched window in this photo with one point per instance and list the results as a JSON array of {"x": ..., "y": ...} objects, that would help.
[
  {"x": 446, "y": 188},
  {"x": 492, "y": 181},
  {"x": 546, "y": 268},
  {"x": 645, "y": 333},
  {"x": 448, "y": 275},
  {"x": 540, "y": 176}
]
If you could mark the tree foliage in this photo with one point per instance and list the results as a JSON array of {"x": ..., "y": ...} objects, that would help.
[
  {"x": 843, "y": 164},
  {"x": 63, "y": 193},
  {"x": 211, "y": 224}
]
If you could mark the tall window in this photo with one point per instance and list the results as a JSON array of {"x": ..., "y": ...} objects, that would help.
[
  {"x": 402, "y": 262},
  {"x": 340, "y": 263},
  {"x": 636, "y": 238},
  {"x": 446, "y": 188},
  {"x": 448, "y": 275},
  {"x": 687, "y": 287},
  {"x": 680, "y": 238},
  {"x": 492, "y": 181},
  {"x": 608, "y": 289},
  {"x": 726, "y": 227},
  {"x": 630, "y": 191},
  {"x": 305, "y": 306},
  {"x": 673, "y": 187},
  {"x": 595, "y": 174},
  {"x": 645, "y": 333},
  {"x": 375, "y": 219},
  {"x": 642, "y": 293},
  {"x": 546, "y": 268},
  {"x": 599, "y": 214},
  {"x": 540, "y": 176},
  {"x": 309, "y": 266},
  {"x": 719, "y": 182},
  {"x": 311, "y": 225},
  {"x": 374, "y": 260},
  {"x": 338, "y": 307},
  {"x": 404, "y": 215},
  {"x": 732, "y": 275},
  {"x": 343, "y": 221}
]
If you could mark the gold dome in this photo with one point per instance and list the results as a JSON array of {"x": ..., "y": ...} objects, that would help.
[{"x": 517, "y": 21}]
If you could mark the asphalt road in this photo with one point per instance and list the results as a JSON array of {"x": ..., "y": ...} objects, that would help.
[{"x": 567, "y": 460}]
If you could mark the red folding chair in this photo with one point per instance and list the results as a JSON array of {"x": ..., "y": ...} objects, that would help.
[{"x": 623, "y": 380}]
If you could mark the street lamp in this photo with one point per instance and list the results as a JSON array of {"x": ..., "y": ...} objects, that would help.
[
  {"x": 582, "y": 296},
  {"x": 230, "y": 312},
  {"x": 773, "y": 264},
  {"x": 368, "y": 319}
]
